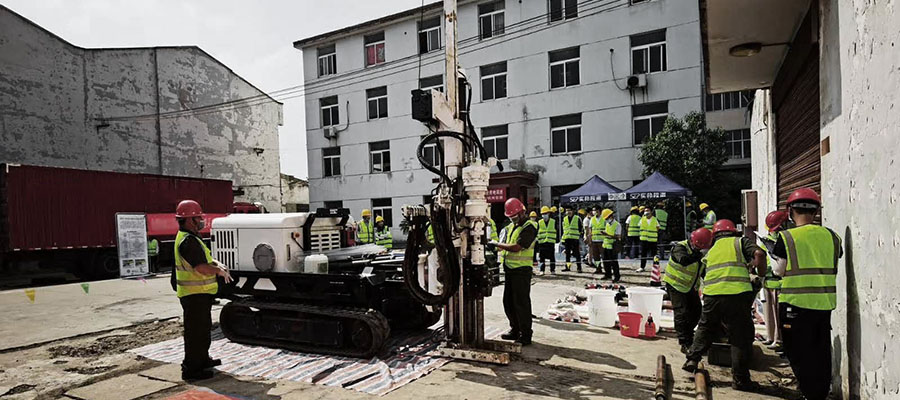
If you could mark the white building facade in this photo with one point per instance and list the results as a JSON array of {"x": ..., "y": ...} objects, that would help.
[{"x": 549, "y": 94}]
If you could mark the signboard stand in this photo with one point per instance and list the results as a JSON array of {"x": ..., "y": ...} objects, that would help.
[{"x": 131, "y": 242}]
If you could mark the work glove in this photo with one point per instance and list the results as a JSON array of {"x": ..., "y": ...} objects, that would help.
[{"x": 491, "y": 246}]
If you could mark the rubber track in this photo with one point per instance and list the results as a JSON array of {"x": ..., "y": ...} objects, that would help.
[{"x": 376, "y": 322}]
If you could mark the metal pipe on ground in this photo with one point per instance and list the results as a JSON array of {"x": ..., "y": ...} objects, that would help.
[
  {"x": 661, "y": 378},
  {"x": 701, "y": 383}
]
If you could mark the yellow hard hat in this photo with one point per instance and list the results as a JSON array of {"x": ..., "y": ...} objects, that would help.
[
  {"x": 379, "y": 219},
  {"x": 703, "y": 206},
  {"x": 533, "y": 214},
  {"x": 367, "y": 212},
  {"x": 642, "y": 208},
  {"x": 687, "y": 203},
  {"x": 634, "y": 208},
  {"x": 554, "y": 209},
  {"x": 545, "y": 210},
  {"x": 582, "y": 211},
  {"x": 606, "y": 213}
]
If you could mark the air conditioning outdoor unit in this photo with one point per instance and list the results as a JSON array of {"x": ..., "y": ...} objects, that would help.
[
  {"x": 330, "y": 133},
  {"x": 636, "y": 81}
]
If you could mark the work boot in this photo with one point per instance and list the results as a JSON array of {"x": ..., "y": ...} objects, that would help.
[
  {"x": 745, "y": 385},
  {"x": 510, "y": 335},
  {"x": 690, "y": 366},
  {"x": 524, "y": 341},
  {"x": 196, "y": 375},
  {"x": 685, "y": 349},
  {"x": 212, "y": 362}
]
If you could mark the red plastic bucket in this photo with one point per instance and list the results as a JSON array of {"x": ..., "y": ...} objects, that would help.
[{"x": 630, "y": 323}]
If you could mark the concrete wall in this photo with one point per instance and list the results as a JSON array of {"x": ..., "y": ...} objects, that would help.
[
  {"x": 763, "y": 173},
  {"x": 606, "y": 110},
  {"x": 63, "y": 106},
  {"x": 294, "y": 193}
]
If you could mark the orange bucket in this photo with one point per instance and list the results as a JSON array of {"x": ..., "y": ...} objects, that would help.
[{"x": 630, "y": 324}]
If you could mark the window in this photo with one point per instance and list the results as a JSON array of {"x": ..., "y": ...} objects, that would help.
[
  {"x": 563, "y": 9},
  {"x": 564, "y": 71},
  {"x": 639, "y": 1},
  {"x": 377, "y": 100},
  {"x": 429, "y": 35},
  {"x": 491, "y": 19},
  {"x": 496, "y": 141},
  {"x": 334, "y": 204},
  {"x": 380, "y": 156},
  {"x": 382, "y": 208},
  {"x": 432, "y": 82},
  {"x": 330, "y": 111},
  {"x": 737, "y": 143},
  {"x": 648, "y": 120},
  {"x": 374, "y": 47},
  {"x": 565, "y": 134},
  {"x": 331, "y": 161},
  {"x": 327, "y": 60},
  {"x": 493, "y": 81},
  {"x": 431, "y": 153},
  {"x": 729, "y": 100},
  {"x": 648, "y": 52}
]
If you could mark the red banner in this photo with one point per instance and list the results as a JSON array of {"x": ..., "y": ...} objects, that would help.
[{"x": 496, "y": 194}]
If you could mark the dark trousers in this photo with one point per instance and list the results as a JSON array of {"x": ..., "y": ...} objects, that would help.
[
  {"x": 734, "y": 311},
  {"x": 547, "y": 251},
  {"x": 611, "y": 264},
  {"x": 648, "y": 249},
  {"x": 663, "y": 238},
  {"x": 573, "y": 248},
  {"x": 806, "y": 336},
  {"x": 687, "y": 308},
  {"x": 517, "y": 299},
  {"x": 634, "y": 246},
  {"x": 197, "y": 324}
]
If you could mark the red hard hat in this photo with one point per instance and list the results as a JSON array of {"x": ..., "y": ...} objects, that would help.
[
  {"x": 724, "y": 225},
  {"x": 188, "y": 209},
  {"x": 702, "y": 238},
  {"x": 804, "y": 195},
  {"x": 513, "y": 206},
  {"x": 775, "y": 219}
]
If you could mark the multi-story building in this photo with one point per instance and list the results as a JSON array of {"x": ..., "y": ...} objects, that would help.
[{"x": 550, "y": 95}]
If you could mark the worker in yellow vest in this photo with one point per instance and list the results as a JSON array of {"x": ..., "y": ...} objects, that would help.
[
  {"x": 663, "y": 217},
  {"x": 807, "y": 260},
  {"x": 775, "y": 223},
  {"x": 153, "y": 254},
  {"x": 196, "y": 286},
  {"x": 649, "y": 237},
  {"x": 633, "y": 234},
  {"x": 727, "y": 297},
  {"x": 709, "y": 216},
  {"x": 594, "y": 230},
  {"x": 366, "y": 230},
  {"x": 383, "y": 235},
  {"x": 546, "y": 241},
  {"x": 571, "y": 236},
  {"x": 612, "y": 233},
  {"x": 682, "y": 278},
  {"x": 516, "y": 254}
]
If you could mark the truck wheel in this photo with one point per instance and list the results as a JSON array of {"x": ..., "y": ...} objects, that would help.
[{"x": 105, "y": 265}]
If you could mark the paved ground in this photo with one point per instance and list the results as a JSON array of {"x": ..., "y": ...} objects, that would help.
[{"x": 45, "y": 357}]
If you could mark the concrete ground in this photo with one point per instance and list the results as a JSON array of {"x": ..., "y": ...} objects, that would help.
[{"x": 69, "y": 344}]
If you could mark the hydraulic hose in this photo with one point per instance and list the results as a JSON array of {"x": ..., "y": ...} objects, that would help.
[{"x": 448, "y": 259}]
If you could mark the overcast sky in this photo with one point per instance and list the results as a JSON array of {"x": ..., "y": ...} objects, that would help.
[{"x": 252, "y": 37}]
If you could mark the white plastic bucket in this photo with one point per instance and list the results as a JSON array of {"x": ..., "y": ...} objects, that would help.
[
  {"x": 647, "y": 302},
  {"x": 602, "y": 308}
]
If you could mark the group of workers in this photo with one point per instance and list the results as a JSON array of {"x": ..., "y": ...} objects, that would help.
[
  {"x": 378, "y": 233},
  {"x": 798, "y": 273}
]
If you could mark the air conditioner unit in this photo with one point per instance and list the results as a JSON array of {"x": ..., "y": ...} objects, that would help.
[
  {"x": 330, "y": 133},
  {"x": 636, "y": 81}
]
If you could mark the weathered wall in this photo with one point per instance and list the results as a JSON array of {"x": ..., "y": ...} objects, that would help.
[
  {"x": 294, "y": 193},
  {"x": 71, "y": 107},
  {"x": 763, "y": 171},
  {"x": 860, "y": 93}
]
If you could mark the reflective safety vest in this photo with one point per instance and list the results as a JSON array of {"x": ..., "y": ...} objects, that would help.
[
  {"x": 188, "y": 280},
  {"x": 495, "y": 236},
  {"x": 663, "y": 217},
  {"x": 153, "y": 248},
  {"x": 709, "y": 220},
  {"x": 726, "y": 270},
  {"x": 429, "y": 234},
  {"x": 683, "y": 277},
  {"x": 366, "y": 232},
  {"x": 517, "y": 259},
  {"x": 810, "y": 277},
  {"x": 649, "y": 229},
  {"x": 634, "y": 225},
  {"x": 384, "y": 238},
  {"x": 772, "y": 281},
  {"x": 570, "y": 227},
  {"x": 547, "y": 231},
  {"x": 610, "y": 240},
  {"x": 598, "y": 227}
]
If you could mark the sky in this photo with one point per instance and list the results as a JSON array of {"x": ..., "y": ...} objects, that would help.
[{"x": 253, "y": 38}]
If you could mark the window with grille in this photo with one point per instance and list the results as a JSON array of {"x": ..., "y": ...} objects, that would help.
[
  {"x": 729, "y": 100},
  {"x": 429, "y": 35},
  {"x": 377, "y": 102},
  {"x": 565, "y": 134},
  {"x": 432, "y": 82},
  {"x": 493, "y": 81},
  {"x": 380, "y": 157},
  {"x": 564, "y": 68},
  {"x": 648, "y": 52},
  {"x": 374, "y": 48},
  {"x": 737, "y": 143},
  {"x": 491, "y": 19},
  {"x": 648, "y": 120},
  {"x": 330, "y": 111},
  {"x": 563, "y": 9},
  {"x": 496, "y": 141},
  {"x": 382, "y": 208},
  {"x": 327, "y": 60},
  {"x": 331, "y": 161}
]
